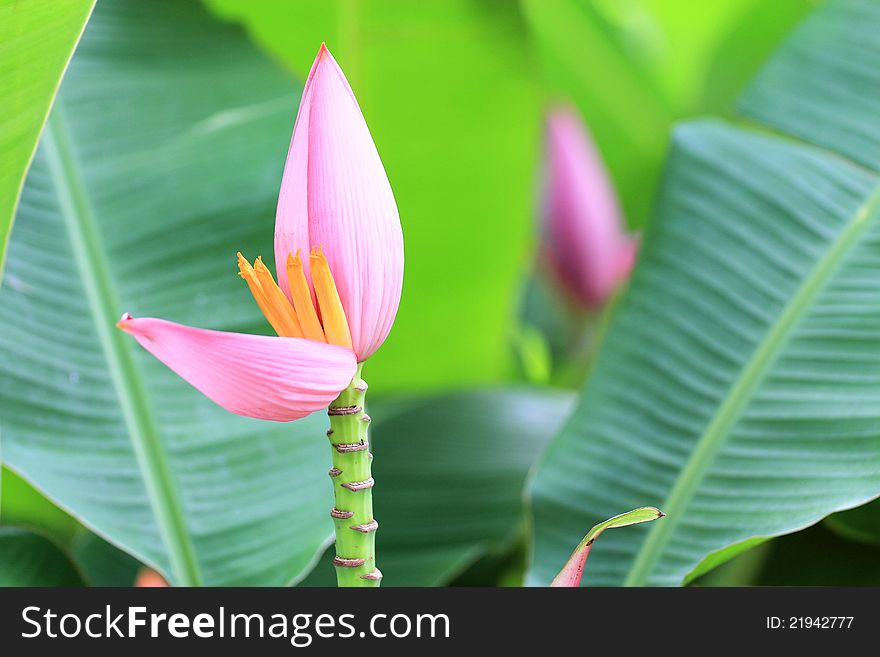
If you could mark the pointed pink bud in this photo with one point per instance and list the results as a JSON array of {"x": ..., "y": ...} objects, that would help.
[
  {"x": 573, "y": 570},
  {"x": 269, "y": 378},
  {"x": 582, "y": 220},
  {"x": 335, "y": 195}
]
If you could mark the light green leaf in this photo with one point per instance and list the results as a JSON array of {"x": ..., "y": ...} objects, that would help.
[
  {"x": 533, "y": 352},
  {"x": 37, "y": 40},
  {"x": 449, "y": 476},
  {"x": 634, "y": 67},
  {"x": 742, "y": 52},
  {"x": 23, "y": 506},
  {"x": 738, "y": 388},
  {"x": 162, "y": 157},
  {"x": 28, "y": 559},
  {"x": 741, "y": 569},
  {"x": 736, "y": 560},
  {"x": 447, "y": 89}
]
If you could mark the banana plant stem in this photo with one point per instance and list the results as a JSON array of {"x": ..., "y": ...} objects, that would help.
[{"x": 352, "y": 479}]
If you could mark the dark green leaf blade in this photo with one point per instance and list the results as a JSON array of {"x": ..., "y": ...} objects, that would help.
[
  {"x": 861, "y": 524},
  {"x": 101, "y": 563},
  {"x": 818, "y": 557},
  {"x": 163, "y": 158},
  {"x": 28, "y": 559}
]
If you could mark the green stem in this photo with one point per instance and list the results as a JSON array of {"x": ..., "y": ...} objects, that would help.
[{"x": 353, "y": 488}]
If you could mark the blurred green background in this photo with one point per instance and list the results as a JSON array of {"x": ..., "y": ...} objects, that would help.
[{"x": 163, "y": 154}]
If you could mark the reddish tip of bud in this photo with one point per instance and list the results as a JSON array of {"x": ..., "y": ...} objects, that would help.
[
  {"x": 149, "y": 578},
  {"x": 123, "y": 321}
]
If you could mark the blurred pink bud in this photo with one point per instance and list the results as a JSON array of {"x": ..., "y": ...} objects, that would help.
[
  {"x": 582, "y": 226},
  {"x": 149, "y": 578}
]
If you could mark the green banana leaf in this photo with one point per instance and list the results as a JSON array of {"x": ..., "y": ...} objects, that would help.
[
  {"x": 448, "y": 90},
  {"x": 37, "y": 40},
  {"x": 738, "y": 388},
  {"x": 101, "y": 563},
  {"x": 28, "y": 559},
  {"x": 161, "y": 158}
]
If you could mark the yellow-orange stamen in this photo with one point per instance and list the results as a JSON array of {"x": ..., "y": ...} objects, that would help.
[
  {"x": 278, "y": 302},
  {"x": 247, "y": 273},
  {"x": 302, "y": 299},
  {"x": 332, "y": 312},
  {"x": 270, "y": 298},
  {"x": 301, "y": 318}
]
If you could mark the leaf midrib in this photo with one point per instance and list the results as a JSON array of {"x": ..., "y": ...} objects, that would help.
[
  {"x": 740, "y": 393},
  {"x": 131, "y": 393}
]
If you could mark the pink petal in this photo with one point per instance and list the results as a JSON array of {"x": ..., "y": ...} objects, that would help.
[
  {"x": 269, "y": 378},
  {"x": 335, "y": 194},
  {"x": 292, "y": 213},
  {"x": 626, "y": 257},
  {"x": 582, "y": 219},
  {"x": 573, "y": 570}
]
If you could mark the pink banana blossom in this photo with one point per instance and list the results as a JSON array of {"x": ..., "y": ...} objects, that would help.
[
  {"x": 582, "y": 226},
  {"x": 339, "y": 264}
]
